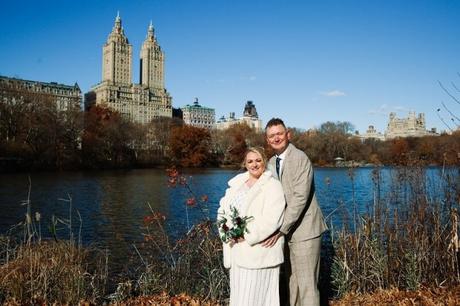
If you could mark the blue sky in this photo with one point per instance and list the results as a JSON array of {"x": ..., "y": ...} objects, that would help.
[{"x": 307, "y": 62}]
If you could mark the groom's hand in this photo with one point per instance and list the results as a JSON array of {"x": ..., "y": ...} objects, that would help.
[{"x": 270, "y": 241}]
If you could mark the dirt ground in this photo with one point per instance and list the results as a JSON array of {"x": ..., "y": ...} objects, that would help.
[{"x": 429, "y": 297}]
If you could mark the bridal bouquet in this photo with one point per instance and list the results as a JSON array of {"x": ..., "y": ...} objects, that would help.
[{"x": 233, "y": 229}]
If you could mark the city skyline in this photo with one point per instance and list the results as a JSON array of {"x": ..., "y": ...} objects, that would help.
[{"x": 307, "y": 63}]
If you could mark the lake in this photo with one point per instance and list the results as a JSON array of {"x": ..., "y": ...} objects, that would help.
[{"x": 112, "y": 204}]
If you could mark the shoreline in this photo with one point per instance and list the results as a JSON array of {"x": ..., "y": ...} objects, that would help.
[{"x": 224, "y": 167}]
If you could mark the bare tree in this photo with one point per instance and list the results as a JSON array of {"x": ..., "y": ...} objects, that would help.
[{"x": 454, "y": 121}]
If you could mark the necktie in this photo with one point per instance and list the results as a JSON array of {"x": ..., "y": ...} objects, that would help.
[{"x": 278, "y": 166}]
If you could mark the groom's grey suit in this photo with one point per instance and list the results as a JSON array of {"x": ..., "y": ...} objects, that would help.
[{"x": 303, "y": 225}]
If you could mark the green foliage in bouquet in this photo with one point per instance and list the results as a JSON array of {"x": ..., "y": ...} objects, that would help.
[{"x": 236, "y": 228}]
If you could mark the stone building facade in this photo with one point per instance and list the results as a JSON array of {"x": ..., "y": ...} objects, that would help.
[
  {"x": 138, "y": 102},
  {"x": 371, "y": 133},
  {"x": 250, "y": 117},
  {"x": 65, "y": 96},
  {"x": 198, "y": 115},
  {"x": 412, "y": 126},
  {"x": 225, "y": 122}
]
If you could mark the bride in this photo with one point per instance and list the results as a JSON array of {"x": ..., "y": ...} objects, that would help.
[{"x": 254, "y": 270}]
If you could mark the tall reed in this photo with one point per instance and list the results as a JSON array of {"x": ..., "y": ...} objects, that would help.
[
  {"x": 35, "y": 270},
  {"x": 192, "y": 264},
  {"x": 408, "y": 239}
]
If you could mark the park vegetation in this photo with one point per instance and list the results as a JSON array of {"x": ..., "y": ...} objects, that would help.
[
  {"x": 408, "y": 238},
  {"x": 406, "y": 242},
  {"x": 35, "y": 135},
  {"x": 37, "y": 271},
  {"x": 404, "y": 248}
]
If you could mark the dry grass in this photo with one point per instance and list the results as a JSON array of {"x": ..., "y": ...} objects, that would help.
[
  {"x": 192, "y": 264},
  {"x": 408, "y": 240},
  {"x": 57, "y": 272},
  {"x": 406, "y": 243},
  {"x": 34, "y": 271}
]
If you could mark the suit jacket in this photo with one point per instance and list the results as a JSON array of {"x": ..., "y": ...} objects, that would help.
[
  {"x": 265, "y": 203},
  {"x": 303, "y": 218}
]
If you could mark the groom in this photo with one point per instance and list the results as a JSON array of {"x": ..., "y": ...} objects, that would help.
[{"x": 303, "y": 222}]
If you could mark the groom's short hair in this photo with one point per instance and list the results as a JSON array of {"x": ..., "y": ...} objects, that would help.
[{"x": 273, "y": 122}]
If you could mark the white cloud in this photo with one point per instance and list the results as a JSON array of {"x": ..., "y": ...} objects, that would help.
[
  {"x": 382, "y": 110},
  {"x": 334, "y": 93},
  {"x": 401, "y": 109},
  {"x": 248, "y": 78},
  {"x": 385, "y": 110}
]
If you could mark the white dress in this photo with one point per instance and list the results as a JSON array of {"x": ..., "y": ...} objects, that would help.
[{"x": 252, "y": 287}]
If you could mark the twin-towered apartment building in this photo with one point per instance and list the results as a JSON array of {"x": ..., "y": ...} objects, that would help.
[
  {"x": 149, "y": 99},
  {"x": 141, "y": 102}
]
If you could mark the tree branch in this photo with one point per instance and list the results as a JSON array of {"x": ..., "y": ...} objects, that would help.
[
  {"x": 448, "y": 93},
  {"x": 445, "y": 107},
  {"x": 439, "y": 116}
]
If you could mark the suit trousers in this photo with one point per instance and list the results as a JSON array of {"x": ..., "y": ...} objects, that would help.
[{"x": 303, "y": 272}]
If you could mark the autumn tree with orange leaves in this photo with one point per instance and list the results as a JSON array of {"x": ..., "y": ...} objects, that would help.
[{"x": 190, "y": 146}]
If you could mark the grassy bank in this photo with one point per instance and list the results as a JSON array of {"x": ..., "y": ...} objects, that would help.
[
  {"x": 404, "y": 249},
  {"x": 51, "y": 271},
  {"x": 408, "y": 238}
]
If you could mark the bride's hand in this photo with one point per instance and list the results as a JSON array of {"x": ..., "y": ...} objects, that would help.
[{"x": 235, "y": 241}]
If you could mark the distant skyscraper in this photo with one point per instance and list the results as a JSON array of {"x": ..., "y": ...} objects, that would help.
[
  {"x": 138, "y": 102},
  {"x": 152, "y": 61},
  {"x": 116, "y": 57}
]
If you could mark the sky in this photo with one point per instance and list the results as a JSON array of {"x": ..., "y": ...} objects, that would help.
[{"x": 306, "y": 62}]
